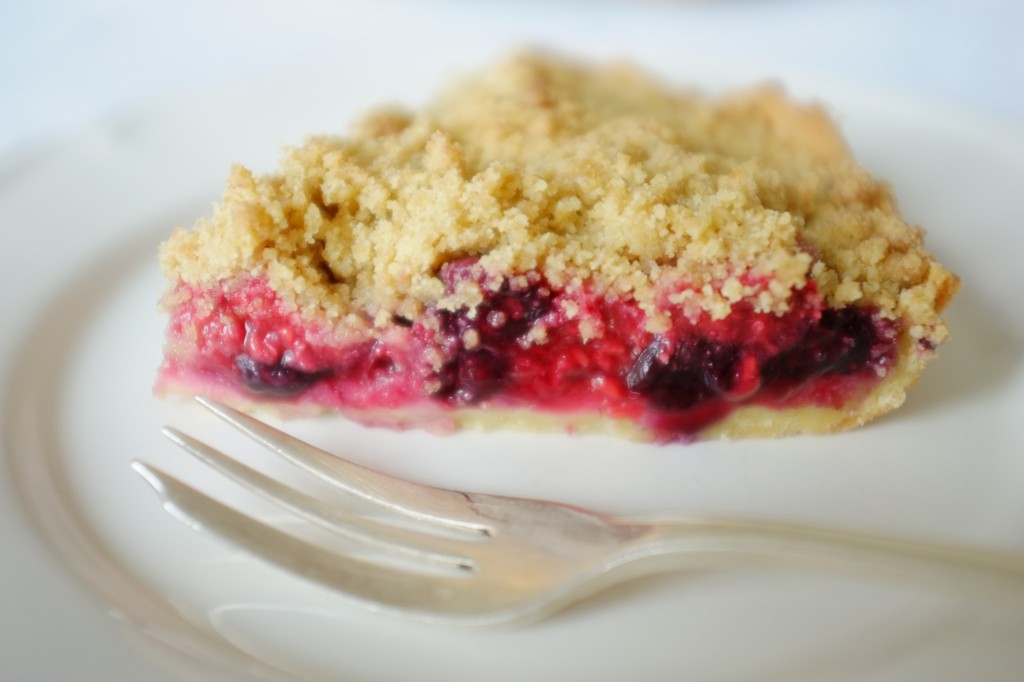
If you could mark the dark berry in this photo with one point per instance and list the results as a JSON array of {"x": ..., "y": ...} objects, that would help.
[
  {"x": 696, "y": 370},
  {"x": 472, "y": 376},
  {"x": 276, "y": 379},
  {"x": 499, "y": 326},
  {"x": 516, "y": 310},
  {"x": 844, "y": 341}
]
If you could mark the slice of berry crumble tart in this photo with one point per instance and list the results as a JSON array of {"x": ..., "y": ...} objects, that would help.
[{"x": 554, "y": 244}]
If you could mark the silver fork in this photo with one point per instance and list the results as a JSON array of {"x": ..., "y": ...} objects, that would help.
[{"x": 476, "y": 559}]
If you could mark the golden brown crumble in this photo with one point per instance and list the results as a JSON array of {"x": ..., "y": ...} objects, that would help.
[{"x": 587, "y": 175}]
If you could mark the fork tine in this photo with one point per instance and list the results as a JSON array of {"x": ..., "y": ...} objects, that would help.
[
  {"x": 443, "y": 507},
  {"x": 382, "y": 536},
  {"x": 373, "y": 584}
]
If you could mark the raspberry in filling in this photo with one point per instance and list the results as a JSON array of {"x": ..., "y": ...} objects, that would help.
[{"x": 579, "y": 245}]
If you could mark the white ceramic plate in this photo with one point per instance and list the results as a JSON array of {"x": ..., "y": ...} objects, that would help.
[{"x": 84, "y": 341}]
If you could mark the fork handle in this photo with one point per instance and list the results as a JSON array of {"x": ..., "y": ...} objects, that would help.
[{"x": 727, "y": 544}]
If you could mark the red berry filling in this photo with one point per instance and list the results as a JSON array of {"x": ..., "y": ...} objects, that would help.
[{"x": 521, "y": 348}]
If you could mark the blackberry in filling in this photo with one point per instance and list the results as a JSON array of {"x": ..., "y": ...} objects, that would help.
[
  {"x": 482, "y": 348},
  {"x": 277, "y": 379}
]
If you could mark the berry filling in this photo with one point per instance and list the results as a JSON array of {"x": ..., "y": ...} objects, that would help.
[{"x": 531, "y": 346}]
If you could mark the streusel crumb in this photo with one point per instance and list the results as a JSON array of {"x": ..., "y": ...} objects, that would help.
[{"x": 600, "y": 176}]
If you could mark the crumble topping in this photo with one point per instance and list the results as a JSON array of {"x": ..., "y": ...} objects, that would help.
[{"x": 589, "y": 176}]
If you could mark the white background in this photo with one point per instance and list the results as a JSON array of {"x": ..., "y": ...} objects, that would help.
[{"x": 67, "y": 65}]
